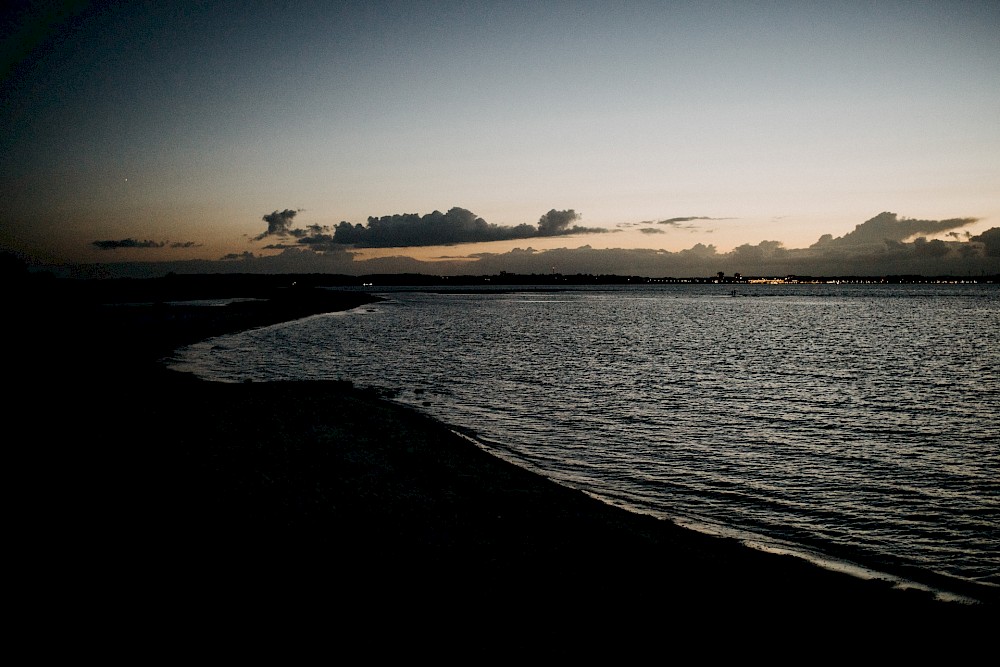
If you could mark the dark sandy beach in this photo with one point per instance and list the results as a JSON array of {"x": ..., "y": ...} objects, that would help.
[{"x": 154, "y": 490}]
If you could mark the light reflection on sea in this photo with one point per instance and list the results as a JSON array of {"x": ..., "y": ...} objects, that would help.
[{"x": 852, "y": 423}]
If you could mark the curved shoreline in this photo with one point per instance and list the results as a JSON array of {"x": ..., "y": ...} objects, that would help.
[
  {"x": 949, "y": 590},
  {"x": 319, "y": 483}
]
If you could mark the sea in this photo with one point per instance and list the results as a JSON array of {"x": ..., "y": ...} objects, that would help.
[{"x": 853, "y": 425}]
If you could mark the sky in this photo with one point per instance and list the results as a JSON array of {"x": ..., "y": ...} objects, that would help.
[{"x": 646, "y": 138}]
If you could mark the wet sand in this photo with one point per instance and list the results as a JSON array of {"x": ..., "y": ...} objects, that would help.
[{"x": 155, "y": 490}]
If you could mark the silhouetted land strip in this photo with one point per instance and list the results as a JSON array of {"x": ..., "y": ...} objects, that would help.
[{"x": 152, "y": 489}]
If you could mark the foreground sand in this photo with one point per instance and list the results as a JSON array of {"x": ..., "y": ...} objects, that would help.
[{"x": 152, "y": 487}]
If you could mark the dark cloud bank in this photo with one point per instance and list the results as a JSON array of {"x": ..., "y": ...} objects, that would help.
[
  {"x": 408, "y": 230},
  {"x": 128, "y": 243},
  {"x": 884, "y": 245},
  {"x": 133, "y": 243}
]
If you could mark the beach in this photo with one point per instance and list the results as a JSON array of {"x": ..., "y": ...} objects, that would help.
[{"x": 149, "y": 485}]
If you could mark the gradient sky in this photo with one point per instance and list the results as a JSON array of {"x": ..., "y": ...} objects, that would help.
[{"x": 185, "y": 123}]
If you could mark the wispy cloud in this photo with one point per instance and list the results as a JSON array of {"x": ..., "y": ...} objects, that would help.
[
  {"x": 128, "y": 243},
  {"x": 679, "y": 222}
]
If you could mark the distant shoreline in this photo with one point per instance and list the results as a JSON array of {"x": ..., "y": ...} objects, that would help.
[{"x": 100, "y": 278}]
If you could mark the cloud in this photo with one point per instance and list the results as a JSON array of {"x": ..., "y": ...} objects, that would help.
[
  {"x": 403, "y": 230},
  {"x": 895, "y": 255},
  {"x": 320, "y": 239},
  {"x": 128, "y": 243},
  {"x": 652, "y": 230},
  {"x": 676, "y": 222},
  {"x": 456, "y": 226},
  {"x": 888, "y": 227},
  {"x": 755, "y": 255},
  {"x": 185, "y": 244},
  {"x": 685, "y": 222},
  {"x": 963, "y": 256},
  {"x": 233, "y": 256},
  {"x": 932, "y": 248},
  {"x": 700, "y": 250},
  {"x": 990, "y": 239},
  {"x": 315, "y": 237},
  {"x": 279, "y": 223},
  {"x": 556, "y": 222}
]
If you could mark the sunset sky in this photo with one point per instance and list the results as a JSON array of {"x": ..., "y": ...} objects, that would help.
[{"x": 157, "y": 132}]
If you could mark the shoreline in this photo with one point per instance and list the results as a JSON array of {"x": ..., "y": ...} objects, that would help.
[
  {"x": 947, "y": 590},
  {"x": 320, "y": 484}
]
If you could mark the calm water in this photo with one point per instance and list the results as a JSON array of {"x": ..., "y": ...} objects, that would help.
[{"x": 854, "y": 425}]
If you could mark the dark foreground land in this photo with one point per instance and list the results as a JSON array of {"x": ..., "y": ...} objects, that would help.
[{"x": 172, "y": 499}]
